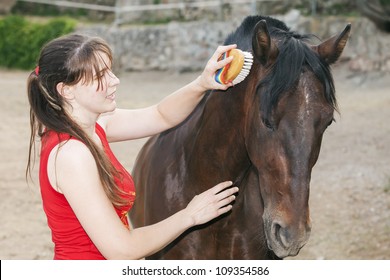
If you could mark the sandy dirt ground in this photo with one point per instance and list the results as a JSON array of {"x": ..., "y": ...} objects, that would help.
[{"x": 350, "y": 190}]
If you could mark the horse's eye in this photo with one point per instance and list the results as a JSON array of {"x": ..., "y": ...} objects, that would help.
[
  {"x": 268, "y": 124},
  {"x": 329, "y": 123}
]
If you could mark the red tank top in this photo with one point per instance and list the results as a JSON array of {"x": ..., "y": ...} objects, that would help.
[{"x": 69, "y": 238}]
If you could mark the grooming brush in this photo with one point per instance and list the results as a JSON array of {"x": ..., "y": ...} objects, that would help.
[{"x": 237, "y": 70}]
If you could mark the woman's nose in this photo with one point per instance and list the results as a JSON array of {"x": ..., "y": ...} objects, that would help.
[{"x": 114, "y": 80}]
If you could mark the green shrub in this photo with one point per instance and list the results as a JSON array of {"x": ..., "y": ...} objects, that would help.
[
  {"x": 22, "y": 40},
  {"x": 385, "y": 2}
]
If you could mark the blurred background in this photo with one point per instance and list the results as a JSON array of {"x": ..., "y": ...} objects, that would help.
[
  {"x": 159, "y": 46},
  {"x": 162, "y": 34}
]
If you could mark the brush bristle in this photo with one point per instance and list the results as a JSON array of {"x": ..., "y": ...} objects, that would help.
[{"x": 248, "y": 61}]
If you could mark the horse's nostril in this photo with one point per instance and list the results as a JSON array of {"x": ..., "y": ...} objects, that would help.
[
  {"x": 308, "y": 228},
  {"x": 281, "y": 235}
]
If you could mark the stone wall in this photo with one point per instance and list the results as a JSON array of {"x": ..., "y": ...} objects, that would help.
[
  {"x": 187, "y": 46},
  {"x": 6, "y": 6}
]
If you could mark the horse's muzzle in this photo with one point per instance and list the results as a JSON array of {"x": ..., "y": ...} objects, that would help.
[{"x": 286, "y": 240}]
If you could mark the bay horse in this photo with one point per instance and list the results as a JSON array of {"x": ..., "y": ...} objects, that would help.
[{"x": 263, "y": 134}]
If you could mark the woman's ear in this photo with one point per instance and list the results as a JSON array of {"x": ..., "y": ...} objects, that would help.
[{"x": 64, "y": 90}]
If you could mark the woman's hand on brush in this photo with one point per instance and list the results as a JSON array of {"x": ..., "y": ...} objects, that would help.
[{"x": 207, "y": 79}]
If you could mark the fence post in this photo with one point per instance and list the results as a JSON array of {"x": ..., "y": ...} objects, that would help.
[
  {"x": 313, "y": 7},
  {"x": 220, "y": 10},
  {"x": 118, "y": 13},
  {"x": 253, "y": 7}
]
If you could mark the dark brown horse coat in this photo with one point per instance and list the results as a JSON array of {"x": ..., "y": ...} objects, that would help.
[{"x": 264, "y": 134}]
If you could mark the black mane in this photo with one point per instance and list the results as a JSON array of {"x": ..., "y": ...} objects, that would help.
[
  {"x": 243, "y": 34},
  {"x": 295, "y": 56}
]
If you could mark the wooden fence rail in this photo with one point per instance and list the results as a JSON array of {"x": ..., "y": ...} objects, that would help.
[{"x": 120, "y": 9}]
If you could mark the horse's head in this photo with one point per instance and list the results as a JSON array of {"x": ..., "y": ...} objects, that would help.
[{"x": 292, "y": 105}]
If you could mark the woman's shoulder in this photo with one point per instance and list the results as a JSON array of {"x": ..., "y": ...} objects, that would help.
[
  {"x": 69, "y": 162},
  {"x": 73, "y": 155}
]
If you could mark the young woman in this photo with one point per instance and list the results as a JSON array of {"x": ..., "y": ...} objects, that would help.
[{"x": 86, "y": 192}]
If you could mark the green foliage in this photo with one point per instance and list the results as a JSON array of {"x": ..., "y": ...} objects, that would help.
[
  {"x": 385, "y": 2},
  {"x": 22, "y": 40}
]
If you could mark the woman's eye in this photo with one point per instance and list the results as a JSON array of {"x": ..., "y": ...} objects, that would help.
[
  {"x": 98, "y": 76},
  {"x": 101, "y": 74}
]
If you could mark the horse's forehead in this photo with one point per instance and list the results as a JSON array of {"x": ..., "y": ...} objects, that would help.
[
  {"x": 308, "y": 94},
  {"x": 311, "y": 86},
  {"x": 312, "y": 96},
  {"x": 309, "y": 82}
]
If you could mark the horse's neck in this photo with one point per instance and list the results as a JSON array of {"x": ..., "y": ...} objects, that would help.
[{"x": 219, "y": 142}]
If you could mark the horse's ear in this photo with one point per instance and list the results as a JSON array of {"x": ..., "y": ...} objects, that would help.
[
  {"x": 263, "y": 47},
  {"x": 331, "y": 49}
]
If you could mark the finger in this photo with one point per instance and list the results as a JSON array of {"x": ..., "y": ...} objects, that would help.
[
  {"x": 221, "y": 186},
  {"x": 213, "y": 66},
  {"x": 224, "y": 62},
  {"x": 228, "y": 85},
  {"x": 224, "y": 210},
  {"x": 226, "y": 201},
  {"x": 222, "y": 87},
  {"x": 221, "y": 50},
  {"x": 227, "y": 193}
]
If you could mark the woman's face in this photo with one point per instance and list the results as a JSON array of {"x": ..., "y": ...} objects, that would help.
[{"x": 94, "y": 97}]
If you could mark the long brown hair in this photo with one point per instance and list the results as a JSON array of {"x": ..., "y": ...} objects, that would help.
[{"x": 68, "y": 59}]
